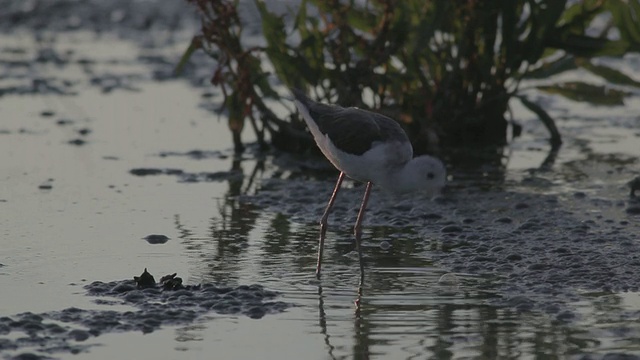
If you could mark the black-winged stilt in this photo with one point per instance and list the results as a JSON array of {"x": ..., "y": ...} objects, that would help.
[{"x": 367, "y": 147}]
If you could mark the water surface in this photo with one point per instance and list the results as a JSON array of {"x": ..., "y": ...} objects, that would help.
[{"x": 73, "y": 212}]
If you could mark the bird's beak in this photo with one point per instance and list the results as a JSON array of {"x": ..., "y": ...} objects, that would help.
[{"x": 437, "y": 192}]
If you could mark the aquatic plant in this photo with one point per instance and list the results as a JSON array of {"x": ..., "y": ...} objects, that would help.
[{"x": 446, "y": 70}]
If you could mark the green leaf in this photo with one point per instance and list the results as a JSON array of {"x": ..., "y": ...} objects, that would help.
[
  {"x": 544, "y": 17},
  {"x": 625, "y": 15},
  {"x": 611, "y": 75},
  {"x": 272, "y": 26},
  {"x": 195, "y": 44},
  {"x": 549, "y": 123},
  {"x": 277, "y": 50},
  {"x": 361, "y": 20},
  {"x": 234, "y": 105},
  {"x": 583, "y": 92},
  {"x": 262, "y": 82},
  {"x": 548, "y": 69},
  {"x": 588, "y": 46},
  {"x": 578, "y": 16}
]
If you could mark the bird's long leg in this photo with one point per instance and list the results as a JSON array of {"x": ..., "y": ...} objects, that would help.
[
  {"x": 357, "y": 229},
  {"x": 323, "y": 222}
]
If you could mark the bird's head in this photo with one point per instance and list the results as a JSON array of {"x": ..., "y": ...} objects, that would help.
[{"x": 429, "y": 174}]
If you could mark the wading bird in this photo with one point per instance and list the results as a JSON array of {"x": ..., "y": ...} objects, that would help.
[{"x": 367, "y": 147}]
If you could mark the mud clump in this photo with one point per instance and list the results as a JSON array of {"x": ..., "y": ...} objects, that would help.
[
  {"x": 185, "y": 177},
  {"x": 165, "y": 303}
]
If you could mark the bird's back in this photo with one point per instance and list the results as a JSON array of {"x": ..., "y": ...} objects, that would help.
[
  {"x": 352, "y": 130},
  {"x": 365, "y": 145}
]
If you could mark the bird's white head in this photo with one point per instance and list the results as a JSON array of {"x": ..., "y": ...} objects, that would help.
[{"x": 425, "y": 174}]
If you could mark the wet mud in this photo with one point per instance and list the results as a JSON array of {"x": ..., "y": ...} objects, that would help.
[
  {"x": 539, "y": 250},
  {"x": 537, "y": 242},
  {"x": 167, "y": 303}
]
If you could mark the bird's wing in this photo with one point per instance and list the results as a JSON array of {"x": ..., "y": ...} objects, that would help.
[
  {"x": 352, "y": 130},
  {"x": 355, "y": 131}
]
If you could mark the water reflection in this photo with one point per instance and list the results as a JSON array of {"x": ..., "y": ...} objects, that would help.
[
  {"x": 229, "y": 230},
  {"x": 447, "y": 328},
  {"x": 322, "y": 322},
  {"x": 402, "y": 312}
]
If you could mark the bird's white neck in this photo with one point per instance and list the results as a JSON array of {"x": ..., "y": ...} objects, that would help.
[
  {"x": 420, "y": 174},
  {"x": 403, "y": 179}
]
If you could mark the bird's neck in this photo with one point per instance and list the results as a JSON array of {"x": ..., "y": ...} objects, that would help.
[{"x": 403, "y": 179}]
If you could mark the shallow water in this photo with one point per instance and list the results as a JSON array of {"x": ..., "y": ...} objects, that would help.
[{"x": 73, "y": 212}]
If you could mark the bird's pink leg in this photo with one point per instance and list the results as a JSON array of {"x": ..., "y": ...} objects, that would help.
[
  {"x": 323, "y": 222},
  {"x": 357, "y": 229}
]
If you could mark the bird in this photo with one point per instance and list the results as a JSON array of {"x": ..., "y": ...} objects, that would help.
[{"x": 371, "y": 148}]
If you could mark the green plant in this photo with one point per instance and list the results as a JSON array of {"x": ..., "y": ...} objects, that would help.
[{"x": 445, "y": 69}]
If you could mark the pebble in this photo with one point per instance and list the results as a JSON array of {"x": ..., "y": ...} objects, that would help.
[{"x": 451, "y": 229}]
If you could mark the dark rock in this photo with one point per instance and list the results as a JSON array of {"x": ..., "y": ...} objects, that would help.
[
  {"x": 77, "y": 142},
  {"x": 514, "y": 257},
  {"x": 504, "y": 220},
  {"x": 156, "y": 239},
  {"x": 451, "y": 229},
  {"x": 79, "y": 335},
  {"x": 633, "y": 210}
]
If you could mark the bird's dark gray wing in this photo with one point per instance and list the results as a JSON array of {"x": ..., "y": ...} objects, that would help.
[
  {"x": 351, "y": 130},
  {"x": 354, "y": 131}
]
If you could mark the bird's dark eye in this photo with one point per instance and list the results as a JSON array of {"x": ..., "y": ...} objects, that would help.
[{"x": 430, "y": 176}]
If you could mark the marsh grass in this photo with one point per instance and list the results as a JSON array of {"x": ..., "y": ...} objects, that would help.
[{"x": 446, "y": 70}]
